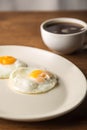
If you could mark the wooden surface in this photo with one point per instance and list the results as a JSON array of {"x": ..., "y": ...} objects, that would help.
[{"x": 23, "y": 28}]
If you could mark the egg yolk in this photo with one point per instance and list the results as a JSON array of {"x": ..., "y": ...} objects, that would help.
[
  {"x": 5, "y": 60},
  {"x": 35, "y": 73},
  {"x": 39, "y": 75}
]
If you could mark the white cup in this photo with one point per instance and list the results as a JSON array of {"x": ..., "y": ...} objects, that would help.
[{"x": 64, "y": 43}]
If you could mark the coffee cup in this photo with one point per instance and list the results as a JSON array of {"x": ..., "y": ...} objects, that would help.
[{"x": 64, "y": 35}]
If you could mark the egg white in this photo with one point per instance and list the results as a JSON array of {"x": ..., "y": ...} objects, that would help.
[
  {"x": 21, "y": 82},
  {"x": 5, "y": 70}
]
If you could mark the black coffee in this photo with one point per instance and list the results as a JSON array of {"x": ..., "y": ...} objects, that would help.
[{"x": 63, "y": 27}]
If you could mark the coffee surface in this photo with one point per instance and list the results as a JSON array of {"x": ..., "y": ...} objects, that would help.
[{"x": 63, "y": 27}]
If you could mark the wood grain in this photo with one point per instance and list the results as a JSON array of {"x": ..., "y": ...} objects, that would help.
[{"x": 23, "y": 28}]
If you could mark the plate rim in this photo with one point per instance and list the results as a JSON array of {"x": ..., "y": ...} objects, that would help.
[{"x": 49, "y": 116}]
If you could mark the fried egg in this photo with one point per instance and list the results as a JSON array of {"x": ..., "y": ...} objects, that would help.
[
  {"x": 8, "y": 64},
  {"x": 32, "y": 80}
]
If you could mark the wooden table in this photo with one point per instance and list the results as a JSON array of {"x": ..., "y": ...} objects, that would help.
[{"x": 23, "y": 28}]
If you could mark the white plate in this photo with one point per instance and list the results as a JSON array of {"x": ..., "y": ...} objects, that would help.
[{"x": 65, "y": 97}]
